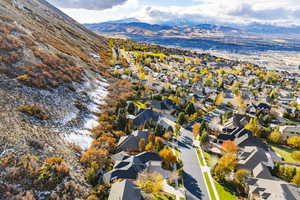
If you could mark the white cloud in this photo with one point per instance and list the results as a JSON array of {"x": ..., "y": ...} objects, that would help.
[
  {"x": 94, "y": 16},
  {"x": 87, "y": 4},
  {"x": 281, "y": 12}
]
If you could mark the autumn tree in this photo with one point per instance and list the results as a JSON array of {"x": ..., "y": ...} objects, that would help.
[
  {"x": 240, "y": 176},
  {"x": 225, "y": 165},
  {"x": 296, "y": 155},
  {"x": 196, "y": 129},
  {"x": 296, "y": 179},
  {"x": 229, "y": 146},
  {"x": 99, "y": 156},
  {"x": 149, "y": 147},
  {"x": 254, "y": 127},
  {"x": 168, "y": 156},
  {"x": 294, "y": 141},
  {"x": 150, "y": 183},
  {"x": 275, "y": 137},
  {"x": 142, "y": 145},
  {"x": 219, "y": 99}
]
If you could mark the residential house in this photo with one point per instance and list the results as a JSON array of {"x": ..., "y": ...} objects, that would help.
[
  {"x": 130, "y": 143},
  {"x": 238, "y": 135},
  {"x": 271, "y": 189},
  {"x": 289, "y": 131},
  {"x": 144, "y": 116},
  {"x": 125, "y": 190},
  {"x": 130, "y": 167},
  {"x": 165, "y": 105},
  {"x": 256, "y": 160},
  {"x": 264, "y": 108}
]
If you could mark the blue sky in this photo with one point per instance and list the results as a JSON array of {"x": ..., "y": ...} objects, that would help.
[{"x": 278, "y": 12}]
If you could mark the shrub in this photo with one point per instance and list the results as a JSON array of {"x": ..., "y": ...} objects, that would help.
[
  {"x": 35, "y": 111},
  {"x": 296, "y": 155},
  {"x": 53, "y": 171},
  {"x": 98, "y": 156},
  {"x": 150, "y": 183}
]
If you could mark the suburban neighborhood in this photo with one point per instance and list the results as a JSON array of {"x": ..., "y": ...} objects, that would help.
[{"x": 205, "y": 128}]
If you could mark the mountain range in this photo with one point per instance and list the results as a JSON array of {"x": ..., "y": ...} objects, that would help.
[
  {"x": 233, "y": 38},
  {"x": 133, "y": 25}
]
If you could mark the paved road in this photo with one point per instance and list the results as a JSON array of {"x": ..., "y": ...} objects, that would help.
[{"x": 192, "y": 177}]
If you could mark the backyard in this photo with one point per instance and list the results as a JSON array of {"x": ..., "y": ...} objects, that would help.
[{"x": 285, "y": 153}]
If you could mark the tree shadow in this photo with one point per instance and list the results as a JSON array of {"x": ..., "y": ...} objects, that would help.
[{"x": 192, "y": 187}]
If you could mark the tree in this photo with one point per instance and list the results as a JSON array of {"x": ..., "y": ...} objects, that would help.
[
  {"x": 177, "y": 129},
  {"x": 121, "y": 120},
  {"x": 168, "y": 156},
  {"x": 254, "y": 127},
  {"x": 275, "y": 137},
  {"x": 296, "y": 155},
  {"x": 181, "y": 118},
  {"x": 99, "y": 156},
  {"x": 229, "y": 147},
  {"x": 196, "y": 129},
  {"x": 142, "y": 145},
  {"x": 150, "y": 183},
  {"x": 294, "y": 141},
  {"x": 219, "y": 99},
  {"x": 151, "y": 138},
  {"x": 204, "y": 138},
  {"x": 238, "y": 102},
  {"x": 149, "y": 147},
  {"x": 190, "y": 109},
  {"x": 240, "y": 176},
  {"x": 131, "y": 108},
  {"x": 296, "y": 179},
  {"x": 225, "y": 165}
]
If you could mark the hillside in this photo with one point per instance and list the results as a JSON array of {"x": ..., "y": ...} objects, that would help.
[{"x": 53, "y": 76}]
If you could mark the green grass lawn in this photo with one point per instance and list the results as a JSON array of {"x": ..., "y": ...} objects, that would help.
[
  {"x": 223, "y": 193},
  {"x": 200, "y": 157},
  {"x": 208, "y": 158},
  {"x": 284, "y": 153},
  {"x": 209, "y": 185}
]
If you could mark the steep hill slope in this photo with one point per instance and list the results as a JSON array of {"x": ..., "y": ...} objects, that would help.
[{"x": 53, "y": 76}]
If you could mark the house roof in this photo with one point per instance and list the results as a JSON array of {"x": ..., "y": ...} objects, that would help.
[
  {"x": 264, "y": 106},
  {"x": 145, "y": 115},
  {"x": 131, "y": 142},
  {"x": 251, "y": 157},
  {"x": 273, "y": 189},
  {"x": 130, "y": 167},
  {"x": 120, "y": 156},
  {"x": 262, "y": 171},
  {"x": 124, "y": 190}
]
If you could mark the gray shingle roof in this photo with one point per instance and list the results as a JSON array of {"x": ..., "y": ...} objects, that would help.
[{"x": 125, "y": 190}]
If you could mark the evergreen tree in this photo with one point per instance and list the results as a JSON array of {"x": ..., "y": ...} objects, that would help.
[
  {"x": 131, "y": 108},
  {"x": 181, "y": 118}
]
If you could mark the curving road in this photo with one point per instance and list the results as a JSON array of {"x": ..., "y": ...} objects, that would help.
[{"x": 193, "y": 180}]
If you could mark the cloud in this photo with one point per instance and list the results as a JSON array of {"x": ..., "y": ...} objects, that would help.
[
  {"x": 87, "y": 4},
  {"x": 228, "y": 12}
]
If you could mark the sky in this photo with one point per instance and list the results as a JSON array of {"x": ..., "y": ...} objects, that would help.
[{"x": 275, "y": 12}]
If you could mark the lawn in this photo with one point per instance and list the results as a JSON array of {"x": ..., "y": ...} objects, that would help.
[
  {"x": 284, "y": 153},
  {"x": 223, "y": 193},
  {"x": 200, "y": 157},
  {"x": 209, "y": 185}
]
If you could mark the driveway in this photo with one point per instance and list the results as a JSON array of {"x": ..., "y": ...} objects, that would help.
[{"x": 192, "y": 176}]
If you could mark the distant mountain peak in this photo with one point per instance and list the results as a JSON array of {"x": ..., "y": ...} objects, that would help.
[{"x": 123, "y": 21}]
